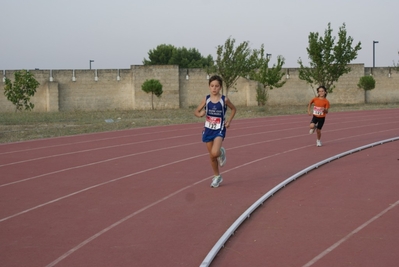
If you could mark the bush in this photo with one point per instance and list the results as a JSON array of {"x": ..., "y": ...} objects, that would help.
[{"x": 366, "y": 82}]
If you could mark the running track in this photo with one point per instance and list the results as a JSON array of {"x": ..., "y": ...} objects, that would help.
[{"x": 141, "y": 197}]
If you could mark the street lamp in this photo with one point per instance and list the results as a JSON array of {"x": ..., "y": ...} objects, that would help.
[
  {"x": 90, "y": 61},
  {"x": 268, "y": 56},
  {"x": 374, "y": 42}
]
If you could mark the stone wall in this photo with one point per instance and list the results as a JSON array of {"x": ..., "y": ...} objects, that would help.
[{"x": 108, "y": 89}]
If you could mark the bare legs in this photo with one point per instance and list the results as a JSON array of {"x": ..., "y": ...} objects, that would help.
[{"x": 214, "y": 152}]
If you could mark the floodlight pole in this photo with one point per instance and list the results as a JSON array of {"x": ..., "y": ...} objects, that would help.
[{"x": 374, "y": 42}]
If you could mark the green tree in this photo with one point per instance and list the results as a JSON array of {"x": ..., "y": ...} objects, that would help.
[
  {"x": 154, "y": 87},
  {"x": 268, "y": 78},
  {"x": 183, "y": 57},
  {"x": 190, "y": 58},
  {"x": 21, "y": 90},
  {"x": 367, "y": 83},
  {"x": 328, "y": 61},
  {"x": 160, "y": 55},
  {"x": 233, "y": 62}
]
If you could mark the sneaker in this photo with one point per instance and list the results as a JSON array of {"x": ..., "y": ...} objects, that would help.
[
  {"x": 216, "y": 181},
  {"x": 312, "y": 130},
  {"x": 222, "y": 157},
  {"x": 318, "y": 143}
]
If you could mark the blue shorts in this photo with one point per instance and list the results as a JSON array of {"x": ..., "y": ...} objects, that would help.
[{"x": 210, "y": 137}]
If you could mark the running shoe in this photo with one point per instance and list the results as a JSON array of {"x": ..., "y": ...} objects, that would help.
[
  {"x": 216, "y": 181},
  {"x": 222, "y": 157},
  {"x": 312, "y": 130},
  {"x": 318, "y": 143}
]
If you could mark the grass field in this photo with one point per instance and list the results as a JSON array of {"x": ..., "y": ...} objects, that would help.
[{"x": 21, "y": 126}]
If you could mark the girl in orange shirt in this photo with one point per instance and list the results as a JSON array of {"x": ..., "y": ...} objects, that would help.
[{"x": 320, "y": 110}]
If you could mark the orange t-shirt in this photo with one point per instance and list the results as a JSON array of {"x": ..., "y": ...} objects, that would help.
[{"x": 318, "y": 105}]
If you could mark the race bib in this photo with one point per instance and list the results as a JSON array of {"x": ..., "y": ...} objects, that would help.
[
  {"x": 213, "y": 123},
  {"x": 318, "y": 111}
]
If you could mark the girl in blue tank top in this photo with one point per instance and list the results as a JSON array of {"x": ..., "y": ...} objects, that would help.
[{"x": 214, "y": 107}]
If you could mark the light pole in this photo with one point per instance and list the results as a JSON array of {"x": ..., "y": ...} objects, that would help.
[
  {"x": 268, "y": 55},
  {"x": 90, "y": 61},
  {"x": 374, "y": 42}
]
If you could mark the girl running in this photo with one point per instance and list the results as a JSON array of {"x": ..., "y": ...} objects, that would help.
[{"x": 214, "y": 106}]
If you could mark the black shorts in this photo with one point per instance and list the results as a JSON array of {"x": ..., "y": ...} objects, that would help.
[{"x": 318, "y": 121}]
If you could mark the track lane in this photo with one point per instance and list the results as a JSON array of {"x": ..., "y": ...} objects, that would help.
[{"x": 244, "y": 179}]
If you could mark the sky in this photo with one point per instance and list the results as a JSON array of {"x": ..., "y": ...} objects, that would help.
[{"x": 115, "y": 34}]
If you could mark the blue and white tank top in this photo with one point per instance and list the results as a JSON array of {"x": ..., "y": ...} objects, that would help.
[{"x": 215, "y": 115}]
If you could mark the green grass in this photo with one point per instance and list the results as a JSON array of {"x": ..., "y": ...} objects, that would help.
[{"x": 21, "y": 126}]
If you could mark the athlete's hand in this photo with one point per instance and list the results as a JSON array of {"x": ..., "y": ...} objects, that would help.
[{"x": 201, "y": 113}]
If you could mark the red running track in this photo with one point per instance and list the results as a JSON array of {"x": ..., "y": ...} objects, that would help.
[{"x": 141, "y": 197}]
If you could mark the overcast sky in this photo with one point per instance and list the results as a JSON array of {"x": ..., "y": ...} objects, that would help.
[{"x": 67, "y": 34}]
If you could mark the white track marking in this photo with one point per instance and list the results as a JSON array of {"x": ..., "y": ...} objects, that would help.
[
  {"x": 93, "y": 149},
  {"x": 81, "y": 142},
  {"x": 121, "y": 221},
  {"x": 328, "y": 250},
  {"x": 236, "y": 122},
  {"x": 95, "y": 186},
  {"x": 93, "y": 163},
  {"x": 231, "y": 230},
  {"x": 134, "y": 143},
  {"x": 153, "y": 204},
  {"x": 172, "y": 147}
]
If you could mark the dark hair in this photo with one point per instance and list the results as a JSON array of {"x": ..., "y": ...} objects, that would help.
[
  {"x": 322, "y": 87},
  {"x": 216, "y": 78}
]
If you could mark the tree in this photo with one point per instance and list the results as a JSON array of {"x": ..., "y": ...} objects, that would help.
[
  {"x": 154, "y": 87},
  {"x": 23, "y": 88},
  {"x": 328, "y": 61},
  {"x": 183, "y": 57},
  {"x": 160, "y": 56},
  {"x": 367, "y": 83},
  {"x": 233, "y": 62},
  {"x": 190, "y": 58},
  {"x": 267, "y": 77}
]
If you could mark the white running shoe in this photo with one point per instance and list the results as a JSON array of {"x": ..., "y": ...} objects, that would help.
[
  {"x": 318, "y": 143},
  {"x": 312, "y": 130},
  {"x": 222, "y": 157},
  {"x": 216, "y": 181}
]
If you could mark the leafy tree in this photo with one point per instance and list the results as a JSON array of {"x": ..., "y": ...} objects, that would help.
[
  {"x": 154, "y": 87},
  {"x": 267, "y": 77},
  {"x": 233, "y": 62},
  {"x": 183, "y": 57},
  {"x": 328, "y": 61},
  {"x": 160, "y": 56},
  {"x": 23, "y": 88},
  {"x": 190, "y": 58},
  {"x": 366, "y": 83}
]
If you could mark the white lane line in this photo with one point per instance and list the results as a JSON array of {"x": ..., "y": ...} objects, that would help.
[
  {"x": 85, "y": 242},
  {"x": 93, "y": 163},
  {"x": 151, "y": 205},
  {"x": 238, "y": 122},
  {"x": 136, "y": 173},
  {"x": 86, "y": 141},
  {"x": 230, "y": 231},
  {"x": 95, "y": 186},
  {"x": 328, "y": 250},
  {"x": 93, "y": 149}
]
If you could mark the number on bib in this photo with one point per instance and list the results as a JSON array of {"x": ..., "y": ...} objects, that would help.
[
  {"x": 318, "y": 111},
  {"x": 213, "y": 123}
]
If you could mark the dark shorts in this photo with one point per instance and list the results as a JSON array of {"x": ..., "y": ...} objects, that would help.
[{"x": 318, "y": 121}]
